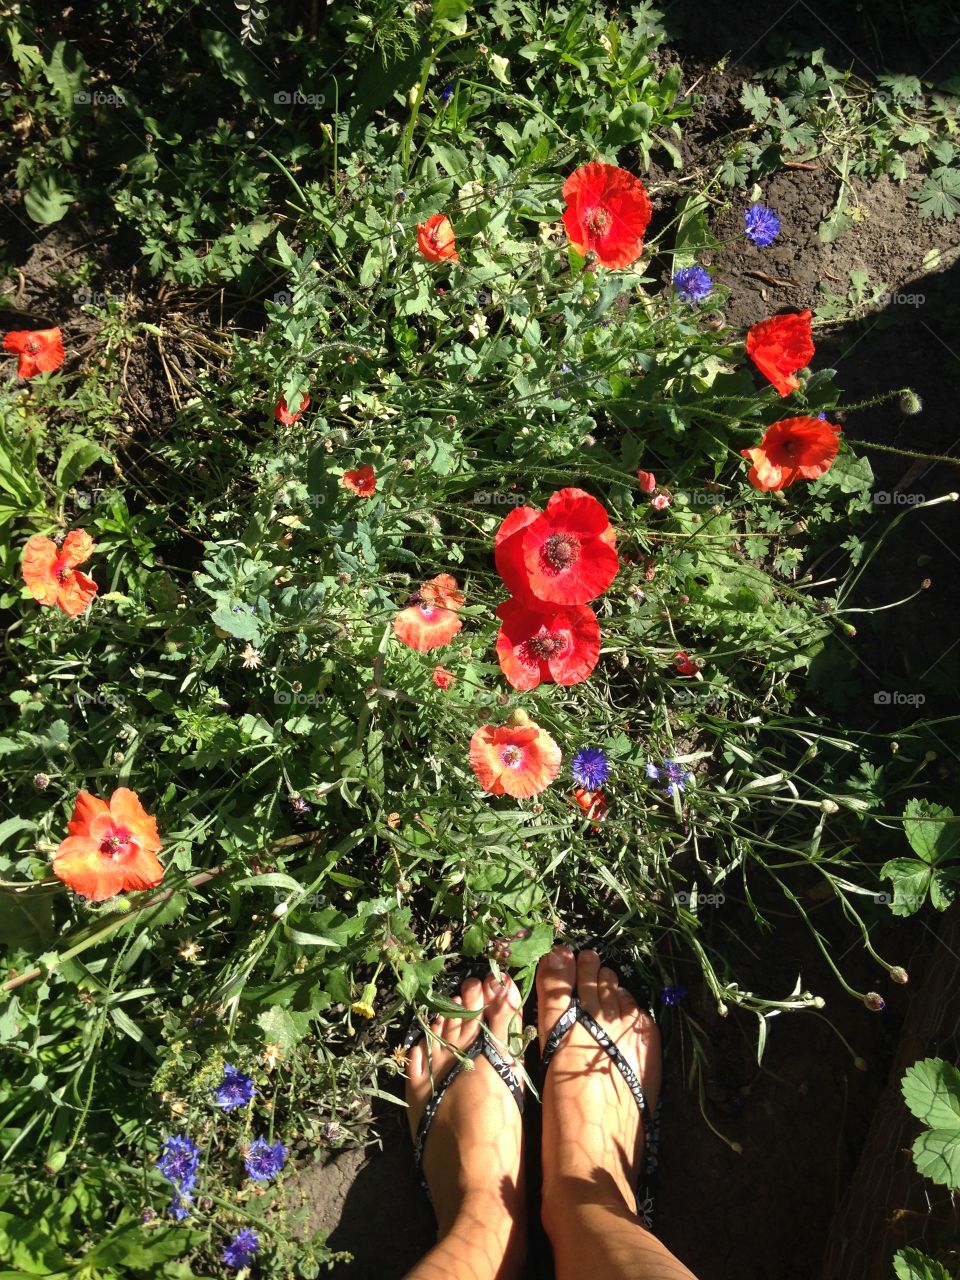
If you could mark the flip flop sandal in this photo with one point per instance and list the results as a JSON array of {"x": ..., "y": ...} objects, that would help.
[
  {"x": 575, "y": 1012},
  {"x": 482, "y": 1044}
]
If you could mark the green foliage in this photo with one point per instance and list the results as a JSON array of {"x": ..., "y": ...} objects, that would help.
[
  {"x": 931, "y": 1090},
  {"x": 911, "y": 1264},
  {"x": 934, "y": 835},
  {"x": 327, "y": 852}
]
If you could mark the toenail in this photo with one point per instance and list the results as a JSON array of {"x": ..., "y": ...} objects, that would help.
[{"x": 557, "y": 958}]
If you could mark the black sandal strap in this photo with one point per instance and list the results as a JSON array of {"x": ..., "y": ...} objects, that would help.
[
  {"x": 481, "y": 1045},
  {"x": 576, "y": 1013}
]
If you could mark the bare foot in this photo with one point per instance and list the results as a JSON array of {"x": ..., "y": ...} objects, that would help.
[
  {"x": 593, "y": 1137},
  {"x": 473, "y": 1158}
]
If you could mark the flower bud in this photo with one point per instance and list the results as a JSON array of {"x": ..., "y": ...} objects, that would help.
[
  {"x": 874, "y": 1002},
  {"x": 910, "y": 402},
  {"x": 41, "y": 781},
  {"x": 829, "y": 806},
  {"x": 899, "y": 974},
  {"x": 860, "y": 1063}
]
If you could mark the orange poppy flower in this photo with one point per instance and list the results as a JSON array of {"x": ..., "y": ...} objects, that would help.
[
  {"x": 549, "y": 642},
  {"x": 287, "y": 416},
  {"x": 110, "y": 848},
  {"x": 435, "y": 239},
  {"x": 779, "y": 347},
  {"x": 442, "y": 590},
  {"x": 793, "y": 449},
  {"x": 593, "y": 803},
  {"x": 564, "y": 555},
  {"x": 362, "y": 482},
  {"x": 443, "y": 678},
  {"x": 430, "y": 620},
  {"x": 607, "y": 211},
  {"x": 40, "y": 350},
  {"x": 517, "y": 759},
  {"x": 648, "y": 481},
  {"x": 51, "y": 573}
]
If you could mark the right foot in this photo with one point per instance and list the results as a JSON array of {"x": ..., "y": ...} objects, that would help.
[
  {"x": 473, "y": 1157},
  {"x": 593, "y": 1137}
]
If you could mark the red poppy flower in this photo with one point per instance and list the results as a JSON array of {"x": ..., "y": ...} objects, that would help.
[
  {"x": 607, "y": 211},
  {"x": 435, "y": 239},
  {"x": 517, "y": 759},
  {"x": 443, "y": 678},
  {"x": 793, "y": 449},
  {"x": 430, "y": 621},
  {"x": 51, "y": 573},
  {"x": 111, "y": 847},
  {"x": 685, "y": 664},
  {"x": 40, "y": 350},
  {"x": 779, "y": 347},
  {"x": 593, "y": 803},
  {"x": 564, "y": 555},
  {"x": 547, "y": 642},
  {"x": 287, "y": 416},
  {"x": 648, "y": 481},
  {"x": 362, "y": 482}
]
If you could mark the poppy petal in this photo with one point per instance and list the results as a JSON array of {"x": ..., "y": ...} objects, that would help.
[
  {"x": 39, "y": 568},
  {"x": 127, "y": 810},
  {"x": 85, "y": 808},
  {"x": 79, "y": 863}
]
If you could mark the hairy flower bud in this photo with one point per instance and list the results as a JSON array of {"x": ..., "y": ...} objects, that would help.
[
  {"x": 910, "y": 402},
  {"x": 874, "y": 1001},
  {"x": 899, "y": 974}
]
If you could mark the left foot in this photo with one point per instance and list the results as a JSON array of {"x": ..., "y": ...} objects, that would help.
[{"x": 473, "y": 1157}]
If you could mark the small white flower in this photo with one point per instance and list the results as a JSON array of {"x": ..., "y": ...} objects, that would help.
[
  {"x": 479, "y": 329},
  {"x": 251, "y": 657}
]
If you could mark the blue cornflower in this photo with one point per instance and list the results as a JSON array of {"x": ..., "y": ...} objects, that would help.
[
  {"x": 235, "y": 1089},
  {"x": 179, "y": 1206},
  {"x": 239, "y": 1249},
  {"x": 762, "y": 225},
  {"x": 692, "y": 284},
  {"x": 822, "y": 416},
  {"x": 178, "y": 1161},
  {"x": 590, "y": 768},
  {"x": 673, "y": 995},
  {"x": 675, "y": 776},
  {"x": 263, "y": 1161},
  {"x": 446, "y": 94}
]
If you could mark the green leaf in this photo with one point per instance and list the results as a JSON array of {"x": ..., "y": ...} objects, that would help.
[
  {"x": 931, "y": 1090},
  {"x": 933, "y": 833},
  {"x": 243, "y": 625},
  {"x": 755, "y": 100},
  {"x": 911, "y": 1264},
  {"x": 936, "y": 1154},
  {"x": 911, "y": 881},
  {"x": 283, "y": 1027},
  {"x": 45, "y": 201},
  {"x": 78, "y": 456}
]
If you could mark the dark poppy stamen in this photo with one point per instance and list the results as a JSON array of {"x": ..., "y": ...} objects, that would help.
[
  {"x": 560, "y": 551},
  {"x": 545, "y": 646}
]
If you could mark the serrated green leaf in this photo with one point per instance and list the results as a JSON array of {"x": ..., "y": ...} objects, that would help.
[
  {"x": 911, "y": 1264},
  {"x": 931, "y": 1090},
  {"x": 936, "y": 1154},
  {"x": 911, "y": 882}
]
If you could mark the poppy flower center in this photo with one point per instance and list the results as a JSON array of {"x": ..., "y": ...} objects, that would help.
[
  {"x": 63, "y": 573},
  {"x": 545, "y": 645},
  {"x": 597, "y": 221},
  {"x": 117, "y": 845},
  {"x": 560, "y": 551},
  {"x": 34, "y": 345},
  {"x": 427, "y": 611},
  {"x": 511, "y": 755}
]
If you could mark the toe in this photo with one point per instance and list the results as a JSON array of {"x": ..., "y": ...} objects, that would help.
[
  {"x": 453, "y": 1028},
  {"x": 471, "y": 994},
  {"x": 556, "y": 978},
  {"x": 503, "y": 1002},
  {"x": 607, "y": 983},
  {"x": 588, "y": 968}
]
